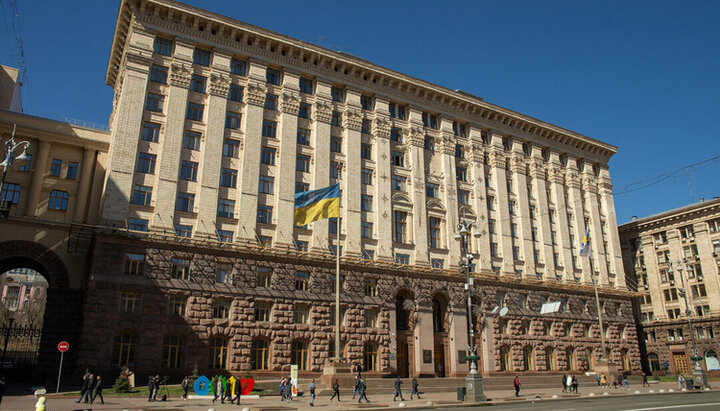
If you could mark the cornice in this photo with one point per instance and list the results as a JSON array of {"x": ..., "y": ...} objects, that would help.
[
  {"x": 708, "y": 209},
  {"x": 278, "y": 49}
]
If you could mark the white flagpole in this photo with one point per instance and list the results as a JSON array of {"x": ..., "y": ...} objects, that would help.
[{"x": 337, "y": 293}]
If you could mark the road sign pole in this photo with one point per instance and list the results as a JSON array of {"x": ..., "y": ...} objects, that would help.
[{"x": 57, "y": 389}]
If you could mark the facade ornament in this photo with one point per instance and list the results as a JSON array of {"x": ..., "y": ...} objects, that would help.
[
  {"x": 418, "y": 183},
  {"x": 555, "y": 175},
  {"x": 290, "y": 103},
  {"x": 496, "y": 158},
  {"x": 219, "y": 85},
  {"x": 447, "y": 145},
  {"x": 381, "y": 127},
  {"x": 322, "y": 111},
  {"x": 416, "y": 137},
  {"x": 180, "y": 75},
  {"x": 605, "y": 184},
  {"x": 536, "y": 169},
  {"x": 588, "y": 184},
  {"x": 572, "y": 179},
  {"x": 256, "y": 94},
  {"x": 477, "y": 155},
  {"x": 352, "y": 120},
  {"x": 517, "y": 163}
]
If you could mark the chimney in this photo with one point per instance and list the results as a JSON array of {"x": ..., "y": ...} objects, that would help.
[{"x": 633, "y": 218}]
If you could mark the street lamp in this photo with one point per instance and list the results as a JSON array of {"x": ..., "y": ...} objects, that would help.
[
  {"x": 473, "y": 380},
  {"x": 8, "y": 157},
  {"x": 699, "y": 374}
]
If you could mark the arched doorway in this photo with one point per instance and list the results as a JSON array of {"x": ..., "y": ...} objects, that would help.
[
  {"x": 653, "y": 362},
  {"x": 440, "y": 333},
  {"x": 404, "y": 309}
]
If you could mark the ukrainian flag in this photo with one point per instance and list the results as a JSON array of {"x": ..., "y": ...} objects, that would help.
[
  {"x": 585, "y": 246},
  {"x": 317, "y": 205}
]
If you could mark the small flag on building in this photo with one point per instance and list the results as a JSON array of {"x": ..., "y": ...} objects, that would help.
[
  {"x": 585, "y": 246},
  {"x": 317, "y": 205}
]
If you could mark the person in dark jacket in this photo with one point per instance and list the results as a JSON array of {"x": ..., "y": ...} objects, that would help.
[
  {"x": 288, "y": 390},
  {"x": 86, "y": 390},
  {"x": 645, "y": 381},
  {"x": 363, "y": 388},
  {"x": 312, "y": 393},
  {"x": 574, "y": 385},
  {"x": 3, "y": 383},
  {"x": 185, "y": 384},
  {"x": 151, "y": 388},
  {"x": 356, "y": 386},
  {"x": 564, "y": 383},
  {"x": 414, "y": 388},
  {"x": 516, "y": 385},
  {"x": 217, "y": 388},
  {"x": 228, "y": 393},
  {"x": 283, "y": 381},
  {"x": 398, "y": 392},
  {"x": 97, "y": 391},
  {"x": 336, "y": 391}
]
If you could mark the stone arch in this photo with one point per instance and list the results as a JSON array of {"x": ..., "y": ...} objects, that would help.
[
  {"x": 441, "y": 309},
  {"x": 405, "y": 307},
  {"x": 14, "y": 254}
]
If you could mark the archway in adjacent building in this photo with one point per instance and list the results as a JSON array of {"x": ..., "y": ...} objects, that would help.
[{"x": 404, "y": 309}]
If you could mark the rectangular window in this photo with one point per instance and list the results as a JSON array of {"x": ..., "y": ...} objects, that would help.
[
  {"x": 400, "y": 224},
  {"x": 195, "y": 112},
  {"x": 271, "y": 102},
  {"x": 301, "y": 187},
  {"x": 306, "y": 85},
  {"x": 231, "y": 148},
  {"x": 403, "y": 259},
  {"x": 142, "y": 195},
  {"x": 25, "y": 168},
  {"x": 491, "y": 226},
  {"x": 221, "y": 309},
  {"x": 337, "y": 94},
  {"x": 146, "y": 163},
  {"x": 366, "y": 102},
  {"x": 429, "y": 120},
  {"x": 336, "y": 144},
  {"x": 371, "y": 318},
  {"x": 398, "y": 183},
  {"x": 158, "y": 74},
  {"x": 269, "y": 128},
  {"x": 58, "y": 200},
  {"x": 396, "y": 135},
  {"x": 137, "y": 224},
  {"x": 228, "y": 178},
  {"x": 223, "y": 274},
  {"x": 226, "y": 208},
  {"x": 180, "y": 269},
  {"x": 437, "y": 263},
  {"x": 366, "y": 126},
  {"x": 434, "y": 232},
  {"x": 238, "y": 67},
  {"x": 134, "y": 264},
  {"x": 163, "y": 47},
  {"x": 191, "y": 140},
  {"x": 301, "y": 315},
  {"x": 429, "y": 143},
  {"x": 366, "y": 202},
  {"x": 432, "y": 190},
  {"x": 371, "y": 288},
  {"x": 463, "y": 197},
  {"x": 302, "y": 281},
  {"x": 233, "y": 120},
  {"x": 188, "y": 170},
  {"x": 493, "y": 250},
  {"x": 398, "y": 158},
  {"x": 461, "y": 173},
  {"x": 459, "y": 151},
  {"x": 336, "y": 119},
  {"x": 304, "y": 111},
  {"x": 185, "y": 202},
  {"x": 150, "y": 132},
  {"x": 201, "y": 57},
  {"x": 197, "y": 83},
  {"x": 154, "y": 102},
  {"x": 302, "y": 163},
  {"x": 368, "y": 254},
  {"x": 272, "y": 76},
  {"x": 266, "y": 185},
  {"x": 72, "y": 170},
  {"x": 262, "y": 311},
  {"x": 235, "y": 93},
  {"x": 267, "y": 156},
  {"x": 366, "y": 230},
  {"x": 303, "y": 136},
  {"x": 459, "y": 129},
  {"x": 176, "y": 306},
  {"x": 224, "y": 236},
  {"x": 332, "y": 226},
  {"x": 397, "y": 111},
  {"x": 713, "y": 226},
  {"x": 335, "y": 170},
  {"x": 130, "y": 302},
  {"x": 55, "y": 167},
  {"x": 302, "y": 246},
  {"x": 366, "y": 151},
  {"x": 183, "y": 230},
  {"x": 264, "y": 277},
  {"x": 264, "y": 214},
  {"x": 366, "y": 176},
  {"x": 490, "y": 203}
]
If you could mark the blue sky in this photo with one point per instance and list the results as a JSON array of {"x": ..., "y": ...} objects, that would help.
[{"x": 641, "y": 75}]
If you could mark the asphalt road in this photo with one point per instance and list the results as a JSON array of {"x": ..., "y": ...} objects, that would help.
[{"x": 648, "y": 402}]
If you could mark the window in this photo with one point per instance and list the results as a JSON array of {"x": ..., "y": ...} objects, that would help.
[
  {"x": 302, "y": 246},
  {"x": 303, "y": 136},
  {"x": 177, "y": 305},
  {"x": 370, "y": 356},
  {"x": 264, "y": 214},
  {"x": 154, "y": 102},
  {"x": 403, "y": 259},
  {"x": 366, "y": 230},
  {"x": 224, "y": 236},
  {"x": 304, "y": 111},
  {"x": 137, "y": 224},
  {"x": 398, "y": 183},
  {"x": 432, "y": 190},
  {"x": 267, "y": 156},
  {"x": 197, "y": 83},
  {"x": 262, "y": 311},
  {"x": 26, "y": 167},
  {"x": 259, "y": 354},
  {"x": 235, "y": 93},
  {"x": 183, "y": 230},
  {"x": 130, "y": 302},
  {"x": 458, "y": 129},
  {"x": 368, "y": 254},
  {"x": 336, "y": 144},
  {"x": 459, "y": 151},
  {"x": 371, "y": 317},
  {"x": 511, "y": 207},
  {"x": 180, "y": 269},
  {"x": 434, "y": 232},
  {"x": 302, "y": 281},
  {"x": 11, "y": 192},
  {"x": 437, "y": 263},
  {"x": 221, "y": 309},
  {"x": 163, "y": 47},
  {"x": 195, "y": 112},
  {"x": 337, "y": 94},
  {"x": 400, "y": 223},
  {"x": 173, "y": 346},
  {"x": 266, "y": 185},
  {"x": 58, "y": 200},
  {"x": 238, "y": 67},
  {"x": 158, "y": 74},
  {"x": 490, "y": 203},
  {"x": 302, "y": 163},
  {"x": 269, "y": 128},
  {"x": 429, "y": 143},
  {"x": 336, "y": 119},
  {"x": 185, "y": 202},
  {"x": 461, "y": 173},
  {"x": 306, "y": 85},
  {"x": 223, "y": 274},
  {"x": 335, "y": 170},
  {"x": 228, "y": 178},
  {"x": 299, "y": 354},
  {"x": 191, "y": 140},
  {"x": 264, "y": 277},
  {"x": 366, "y": 126},
  {"x": 272, "y": 76},
  {"x": 366, "y": 202},
  {"x": 366, "y": 176},
  {"x": 429, "y": 120},
  {"x": 218, "y": 353},
  {"x": 232, "y": 120},
  {"x": 687, "y": 232},
  {"x": 301, "y": 187},
  {"x": 396, "y": 135},
  {"x": 366, "y": 151},
  {"x": 398, "y": 111},
  {"x": 150, "y": 132},
  {"x": 55, "y": 168},
  {"x": 301, "y": 315},
  {"x": 188, "y": 170},
  {"x": 332, "y": 226},
  {"x": 366, "y": 102},
  {"x": 493, "y": 250},
  {"x": 134, "y": 264},
  {"x": 201, "y": 57},
  {"x": 271, "y": 102},
  {"x": 714, "y": 225},
  {"x": 226, "y": 208},
  {"x": 124, "y": 350},
  {"x": 463, "y": 197},
  {"x": 398, "y": 158}
]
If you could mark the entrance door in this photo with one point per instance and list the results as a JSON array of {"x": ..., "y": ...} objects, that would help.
[
  {"x": 681, "y": 362},
  {"x": 403, "y": 365},
  {"x": 440, "y": 360}
]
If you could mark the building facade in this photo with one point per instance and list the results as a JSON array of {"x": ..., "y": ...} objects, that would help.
[{"x": 668, "y": 257}]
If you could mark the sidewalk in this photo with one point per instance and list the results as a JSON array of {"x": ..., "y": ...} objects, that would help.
[{"x": 379, "y": 400}]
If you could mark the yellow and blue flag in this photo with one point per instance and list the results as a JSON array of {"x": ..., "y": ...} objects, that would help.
[
  {"x": 585, "y": 246},
  {"x": 317, "y": 205}
]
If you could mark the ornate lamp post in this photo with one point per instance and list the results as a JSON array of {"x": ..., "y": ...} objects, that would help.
[
  {"x": 8, "y": 156},
  {"x": 699, "y": 374},
  {"x": 473, "y": 380}
]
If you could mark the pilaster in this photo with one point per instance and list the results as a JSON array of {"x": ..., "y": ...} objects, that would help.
[
  {"x": 38, "y": 178},
  {"x": 447, "y": 148},
  {"x": 86, "y": 171},
  {"x": 320, "y": 164},
  {"x": 544, "y": 243},
  {"x": 557, "y": 179},
  {"x": 597, "y": 249},
  {"x": 383, "y": 184},
  {"x": 518, "y": 166},
  {"x": 498, "y": 163},
  {"x": 351, "y": 177},
  {"x": 415, "y": 143},
  {"x": 477, "y": 168},
  {"x": 614, "y": 253}
]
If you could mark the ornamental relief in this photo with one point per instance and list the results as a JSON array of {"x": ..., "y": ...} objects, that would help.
[
  {"x": 517, "y": 164},
  {"x": 381, "y": 127},
  {"x": 352, "y": 120},
  {"x": 322, "y": 111},
  {"x": 537, "y": 170},
  {"x": 290, "y": 102},
  {"x": 496, "y": 158},
  {"x": 219, "y": 85},
  {"x": 256, "y": 94},
  {"x": 180, "y": 75}
]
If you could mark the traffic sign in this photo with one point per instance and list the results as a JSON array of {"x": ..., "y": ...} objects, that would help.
[{"x": 63, "y": 346}]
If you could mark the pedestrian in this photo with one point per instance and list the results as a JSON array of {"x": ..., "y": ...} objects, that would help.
[
  {"x": 363, "y": 388},
  {"x": 288, "y": 390},
  {"x": 564, "y": 383},
  {"x": 645, "y": 380},
  {"x": 574, "y": 384},
  {"x": 681, "y": 381},
  {"x": 3, "y": 383},
  {"x": 97, "y": 391},
  {"x": 568, "y": 382},
  {"x": 312, "y": 393},
  {"x": 185, "y": 384},
  {"x": 516, "y": 384},
  {"x": 217, "y": 388},
  {"x": 336, "y": 392},
  {"x": 359, "y": 371},
  {"x": 414, "y": 388},
  {"x": 151, "y": 387},
  {"x": 156, "y": 387},
  {"x": 619, "y": 379},
  {"x": 356, "y": 386},
  {"x": 597, "y": 378},
  {"x": 40, "y": 404},
  {"x": 440, "y": 370},
  {"x": 228, "y": 393},
  {"x": 398, "y": 391},
  {"x": 283, "y": 381},
  {"x": 603, "y": 380},
  {"x": 86, "y": 389},
  {"x": 625, "y": 382}
]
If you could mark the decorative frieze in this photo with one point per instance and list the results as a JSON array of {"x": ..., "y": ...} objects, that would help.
[
  {"x": 496, "y": 158},
  {"x": 352, "y": 120},
  {"x": 517, "y": 163},
  {"x": 180, "y": 75},
  {"x": 219, "y": 85},
  {"x": 290, "y": 102},
  {"x": 381, "y": 127},
  {"x": 256, "y": 93},
  {"x": 322, "y": 111}
]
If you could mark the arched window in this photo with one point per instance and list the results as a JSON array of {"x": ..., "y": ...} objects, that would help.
[
  {"x": 259, "y": 354},
  {"x": 173, "y": 346},
  {"x": 218, "y": 353},
  {"x": 370, "y": 356},
  {"x": 401, "y": 314},
  {"x": 438, "y": 316},
  {"x": 58, "y": 200},
  {"x": 711, "y": 361},
  {"x": 590, "y": 356},
  {"x": 124, "y": 350},
  {"x": 653, "y": 362},
  {"x": 505, "y": 358},
  {"x": 299, "y": 354},
  {"x": 527, "y": 359},
  {"x": 549, "y": 359},
  {"x": 570, "y": 358},
  {"x": 624, "y": 360}
]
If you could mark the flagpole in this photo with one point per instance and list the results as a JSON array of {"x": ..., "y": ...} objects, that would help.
[{"x": 337, "y": 293}]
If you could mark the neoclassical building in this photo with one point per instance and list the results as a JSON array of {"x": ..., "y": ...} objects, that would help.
[
  {"x": 193, "y": 259},
  {"x": 670, "y": 256}
]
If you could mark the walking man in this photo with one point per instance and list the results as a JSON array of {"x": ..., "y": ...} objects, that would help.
[
  {"x": 336, "y": 392},
  {"x": 597, "y": 378},
  {"x": 156, "y": 387},
  {"x": 681, "y": 381},
  {"x": 86, "y": 390},
  {"x": 97, "y": 391},
  {"x": 414, "y": 388},
  {"x": 645, "y": 381},
  {"x": 568, "y": 383},
  {"x": 217, "y": 388},
  {"x": 625, "y": 382},
  {"x": 398, "y": 392},
  {"x": 564, "y": 384},
  {"x": 283, "y": 381},
  {"x": 288, "y": 390},
  {"x": 228, "y": 393},
  {"x": 151, "y": 388},
  {"x": 516, "y": 384},
  {"x": 312, "y": 393},
  {"x": 363, "y": 387},
  {"x": 185, "y": 386},
  {"x": 574, "y": 384},
  {"x": 356, "y": 386}
]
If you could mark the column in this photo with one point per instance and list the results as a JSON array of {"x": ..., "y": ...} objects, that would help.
[
  {"x": 524, "y": 240},
  {"x": 424, "y": 340},
  {"x": 477, "y": 168},
  {"x": 320, "y": 163},
  {"x": 542, "y": 213},
  {"x": 498, "y": 163},
  {"x": 383, "y": 192},
  {"x": 252, "y": 142},
  {"x": 416, "y": 148},
  {"x": 458, "y": 333},
  {"x": 447, "y": 150},
  {"x": 572, "y": 179},
  {"x": 84, "y": 187},
  {"x": 597, "y": 249},
  {"x": 614, "y": 254},
  {"x": 351, "y": 179},
  {"x": 38, "y": 178},
  {"x": 563, "y": 235}
]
